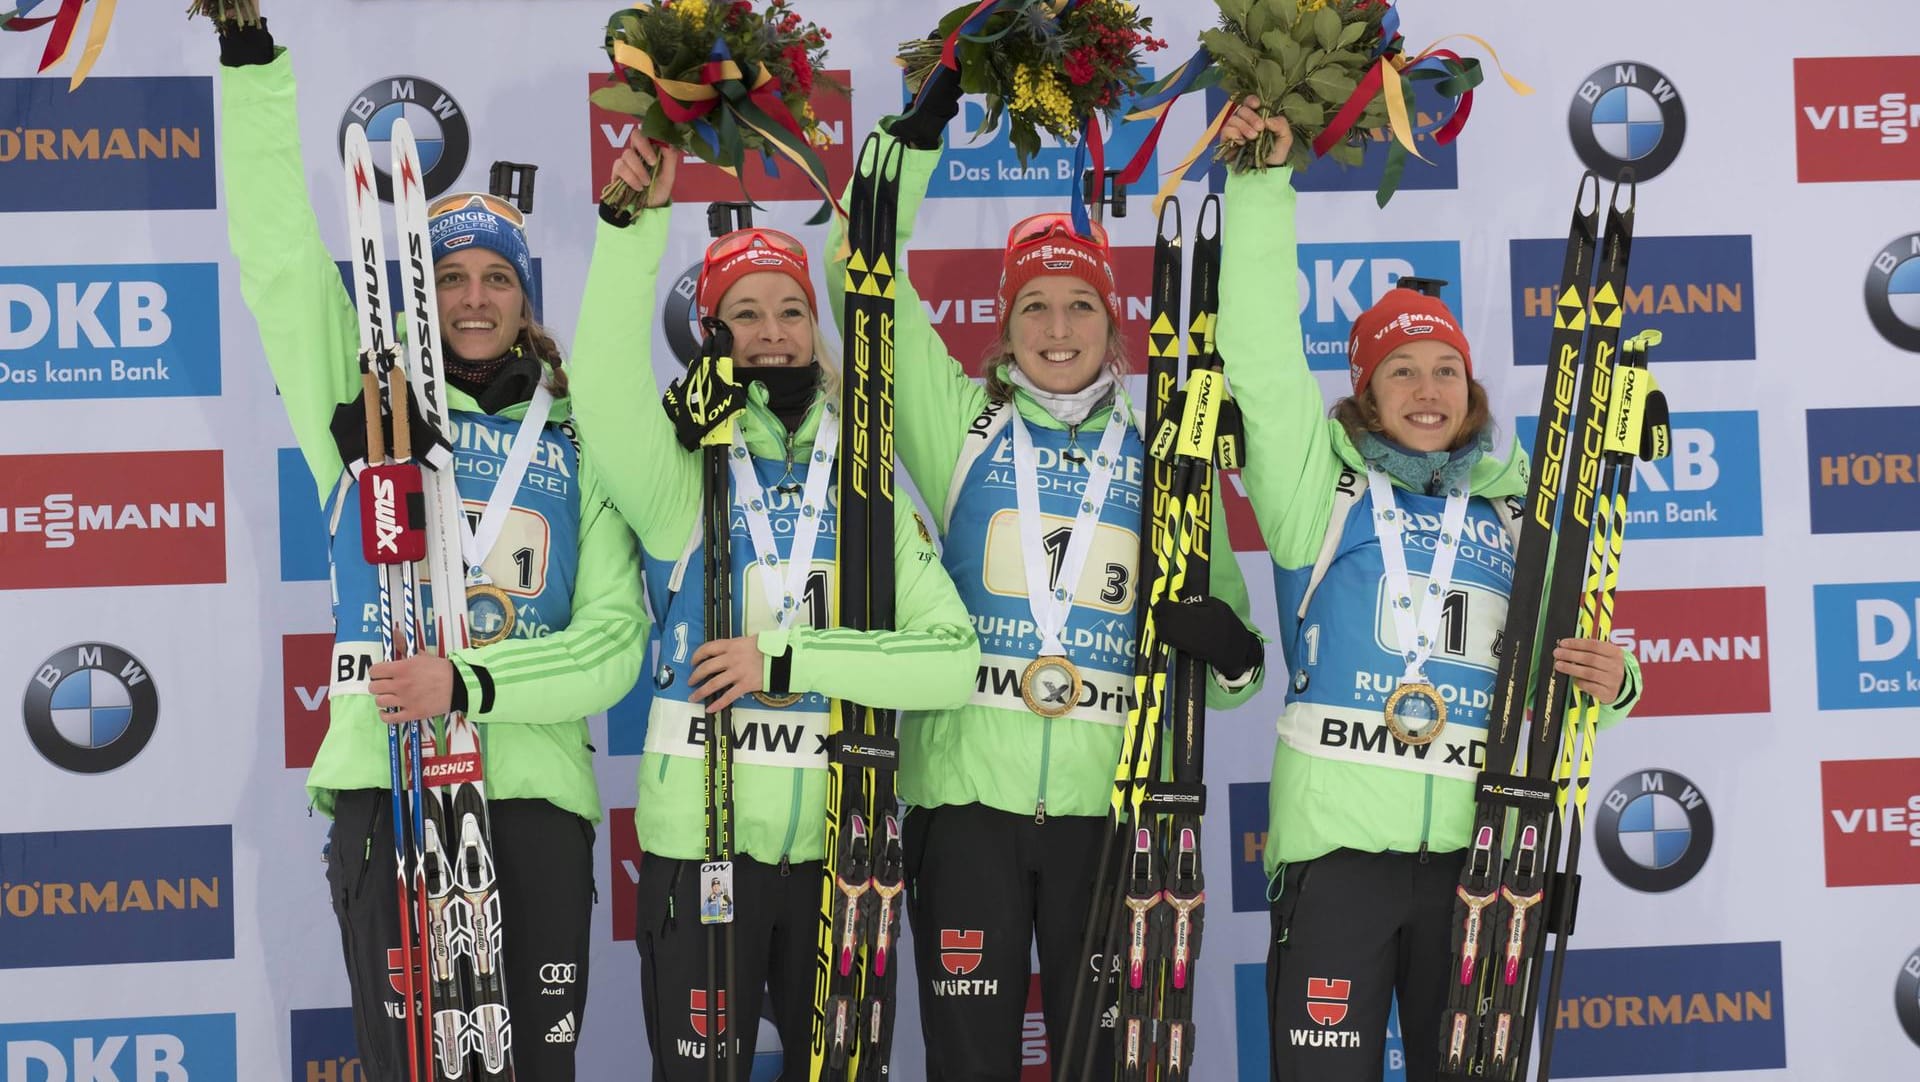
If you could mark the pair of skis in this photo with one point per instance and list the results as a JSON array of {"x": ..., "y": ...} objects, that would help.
[
  {"x": 1144, "y": 923},
  {"x": 861, "y": 894},
  {"x": 1598, "y": 411},
  {"x": 458, "y": 1024}
]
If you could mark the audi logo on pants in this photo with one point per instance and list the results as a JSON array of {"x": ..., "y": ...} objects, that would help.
[{"x": 558, "y": 973}]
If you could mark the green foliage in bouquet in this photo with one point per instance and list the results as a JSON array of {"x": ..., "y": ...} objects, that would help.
[{"x": 1303, "y": 59}]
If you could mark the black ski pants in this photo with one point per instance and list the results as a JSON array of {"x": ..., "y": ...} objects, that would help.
[{"x": 543, "y": 861}]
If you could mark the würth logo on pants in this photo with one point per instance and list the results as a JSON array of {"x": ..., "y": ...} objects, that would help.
[
  {"x": 1327, "y": 1006},
  {"x": 960, "y": 950},
  {"x": 697, "y": 1004}
]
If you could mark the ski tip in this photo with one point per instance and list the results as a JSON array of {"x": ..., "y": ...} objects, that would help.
[
  {"x": 1170, "y": 216},
  {"x": 1587, "y": 201},
  {"x": 1630, "y": 182},
  {"x": 1208, "y": 227}
]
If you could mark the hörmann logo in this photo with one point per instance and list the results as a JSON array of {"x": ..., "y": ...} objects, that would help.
[
  {"x": 108, "y": 144},
  {"x": 97, "y": 897},
  {"x": 1863, "y": 469},
  {"x": 1670, "y": 1010},
  {"x": 1698, "y": 290}
]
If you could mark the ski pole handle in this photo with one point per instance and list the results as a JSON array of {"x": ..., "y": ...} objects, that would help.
[
  {"x": 376, "y": 432},
  {"x": 402, "y": 429}
]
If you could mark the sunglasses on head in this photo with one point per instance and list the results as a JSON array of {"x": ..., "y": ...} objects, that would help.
[
  {"x": 1045, "y": 227},
  {"x": 741, "y": 240},
  {"x": 465, "y": 200}
]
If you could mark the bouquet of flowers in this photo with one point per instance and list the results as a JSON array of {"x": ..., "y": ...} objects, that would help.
[
  {"x": 1043, "y": 64},
  {"x": 717, "y": 79}
]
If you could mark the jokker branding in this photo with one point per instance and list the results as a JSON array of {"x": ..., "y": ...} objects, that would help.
[
  {"x": 175, "y": 1048},
  {"x": 138, "y": 330},
  {"x": 1700, "y": 651},
  {"x": 1863, "y": 470},
  {"x": 1698, "y": 290},
  {"x": 99, "y": 897},
  {"x": 108, "y": 144},
  {"x": 1670, "y": 1010},
  {"x": 1707, "y": 486},
  {"x": 1872, "y": 821},
  {"x": 1867, "y": 645},
  {"x": 112, "y": 519},
  {"x": 1857, "y": 117},
  {"x": 698, "y": 182}
]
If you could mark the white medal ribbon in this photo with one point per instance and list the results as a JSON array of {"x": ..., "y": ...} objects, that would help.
[
  {"x": 1389, "y": 523},
  {"x": 783, "y": 594},
  {"x": 477, "y": 544},
  {"x": 1050, "y": 604}
]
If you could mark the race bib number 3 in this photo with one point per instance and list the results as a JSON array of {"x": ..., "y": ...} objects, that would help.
[{"x": 1107, "y": 581}]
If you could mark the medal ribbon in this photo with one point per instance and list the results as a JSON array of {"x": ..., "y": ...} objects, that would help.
[
  {"x": 1389, "y": 525},
  {"x": 477, "y": 544},
  {"x": 783, "y": 594},
  {"x": 1051, "y": 605}
]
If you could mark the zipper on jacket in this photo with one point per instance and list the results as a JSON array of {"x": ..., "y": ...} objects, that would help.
[
  {"x": 793, "y": 823},
  {"x": 1046, "y": 760},
  {"x": 1426, "y": 817}
]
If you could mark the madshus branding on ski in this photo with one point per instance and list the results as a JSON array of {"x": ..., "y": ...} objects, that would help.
[
  {"x": 1627, "y": 114},
  {"x": 137, "y": 330},
  {"x": 1700, "y": 651},
  {"x": 1328, "y": 1003},
  {"x": 1893, "y": 292},
  {"x": 91, "y": 707},
  {"x": 1906, "y": 996},
  {"x": 140, "y": 518},
  {"x": 324, "y": 1046},
  {"x": 1867, "y": 645},
  {"x": 1247, "y": 819},
  {"x": 1857, "y": 117},
  {"x": 536, "y": 282},
  {"x": 984, "y": 165},
  {"x": 1440, "y": 172},
  {"x": 1684, "y": 1009},
  {"x": 1871, "y": 821},
  {"x": 107, "y": 144},
  {"x": 306, "y": 677},
  {"x": 103, "y": 897},
  {"x": 1697, "y": 291},
  {"x": 1339, "y": 281},
  {"x": 623, "y": 871},
  {"x": 698, "y": 182},
  {"x": 172, "y": 1048},
  {"x": 1654, "y": 830},
  {"x": 439, "y": 129},
  {"x": 1707, "y": 486},
  {"x": 957, "y": 290},
  {"x": 1863, "y": 470}
]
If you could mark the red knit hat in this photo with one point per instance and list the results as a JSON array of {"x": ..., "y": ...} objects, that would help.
[
  {"x": 1402, "y": 316},
  {"x": 750, "y": 251},
  {"x": 1047, "y": 244}
]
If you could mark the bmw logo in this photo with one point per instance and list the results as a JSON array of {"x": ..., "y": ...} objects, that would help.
[
  {"x": 681, "y": 320},
  {"x": 91, "y": 707},
  {"x": 1627, "y": 114},
  {"x": 1893, "y": 292},
  {"x": 1655, "y": 830},
  {"x": 439, "y": 129},
  {"x": 1906, "y": 996}
]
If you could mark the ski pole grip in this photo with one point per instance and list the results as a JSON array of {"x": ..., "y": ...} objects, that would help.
[
  {"x": 376, "y": 432},
  {"x": 402, "y": 431}
]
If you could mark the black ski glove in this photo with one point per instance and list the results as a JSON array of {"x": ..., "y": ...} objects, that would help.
[
  {"x": 938, "y": 103},
  {"x": 349, "y": 427},
  {"x": 701, "y": 400},
  {"x": 1207, "y": 629},
  {"x": 244, "y": 39}
]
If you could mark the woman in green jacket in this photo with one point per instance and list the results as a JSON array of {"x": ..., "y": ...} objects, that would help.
[
  {"x": 563, "y": 560},
  {"x": 792, "y": 660},
  {"x": 1368, "y": 823},
  {"x": 1036, "y": 480}
]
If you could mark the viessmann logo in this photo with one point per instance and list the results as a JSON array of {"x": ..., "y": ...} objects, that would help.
[
  {"x": 112, "y": 519},
  {"x": 1872, "y": 821},
  {"x": 1857, "y": 117}
]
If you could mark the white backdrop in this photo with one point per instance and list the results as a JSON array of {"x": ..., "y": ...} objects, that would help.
[{"x": 1767, "y": 939}]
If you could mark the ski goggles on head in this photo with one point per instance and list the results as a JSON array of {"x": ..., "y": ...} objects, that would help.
[
  {"x": 492, "y": 204},
  {"x": 751, "y": 251},
  {"x": 1056, "y": 226}
]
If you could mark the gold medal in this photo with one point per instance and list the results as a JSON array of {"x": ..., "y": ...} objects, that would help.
[
  {"x": 491, "y": 620},
  {"x": 1051, "y": 686},
  {"x": 1428, "y": 720},
  {"x": 767, "y": 698}
]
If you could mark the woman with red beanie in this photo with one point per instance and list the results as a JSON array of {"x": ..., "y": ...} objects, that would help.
[
  {"x": 791, "y": 660},
  {"x": 1369, "y": 818},
  {"x": 1035, "y": 482}
]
